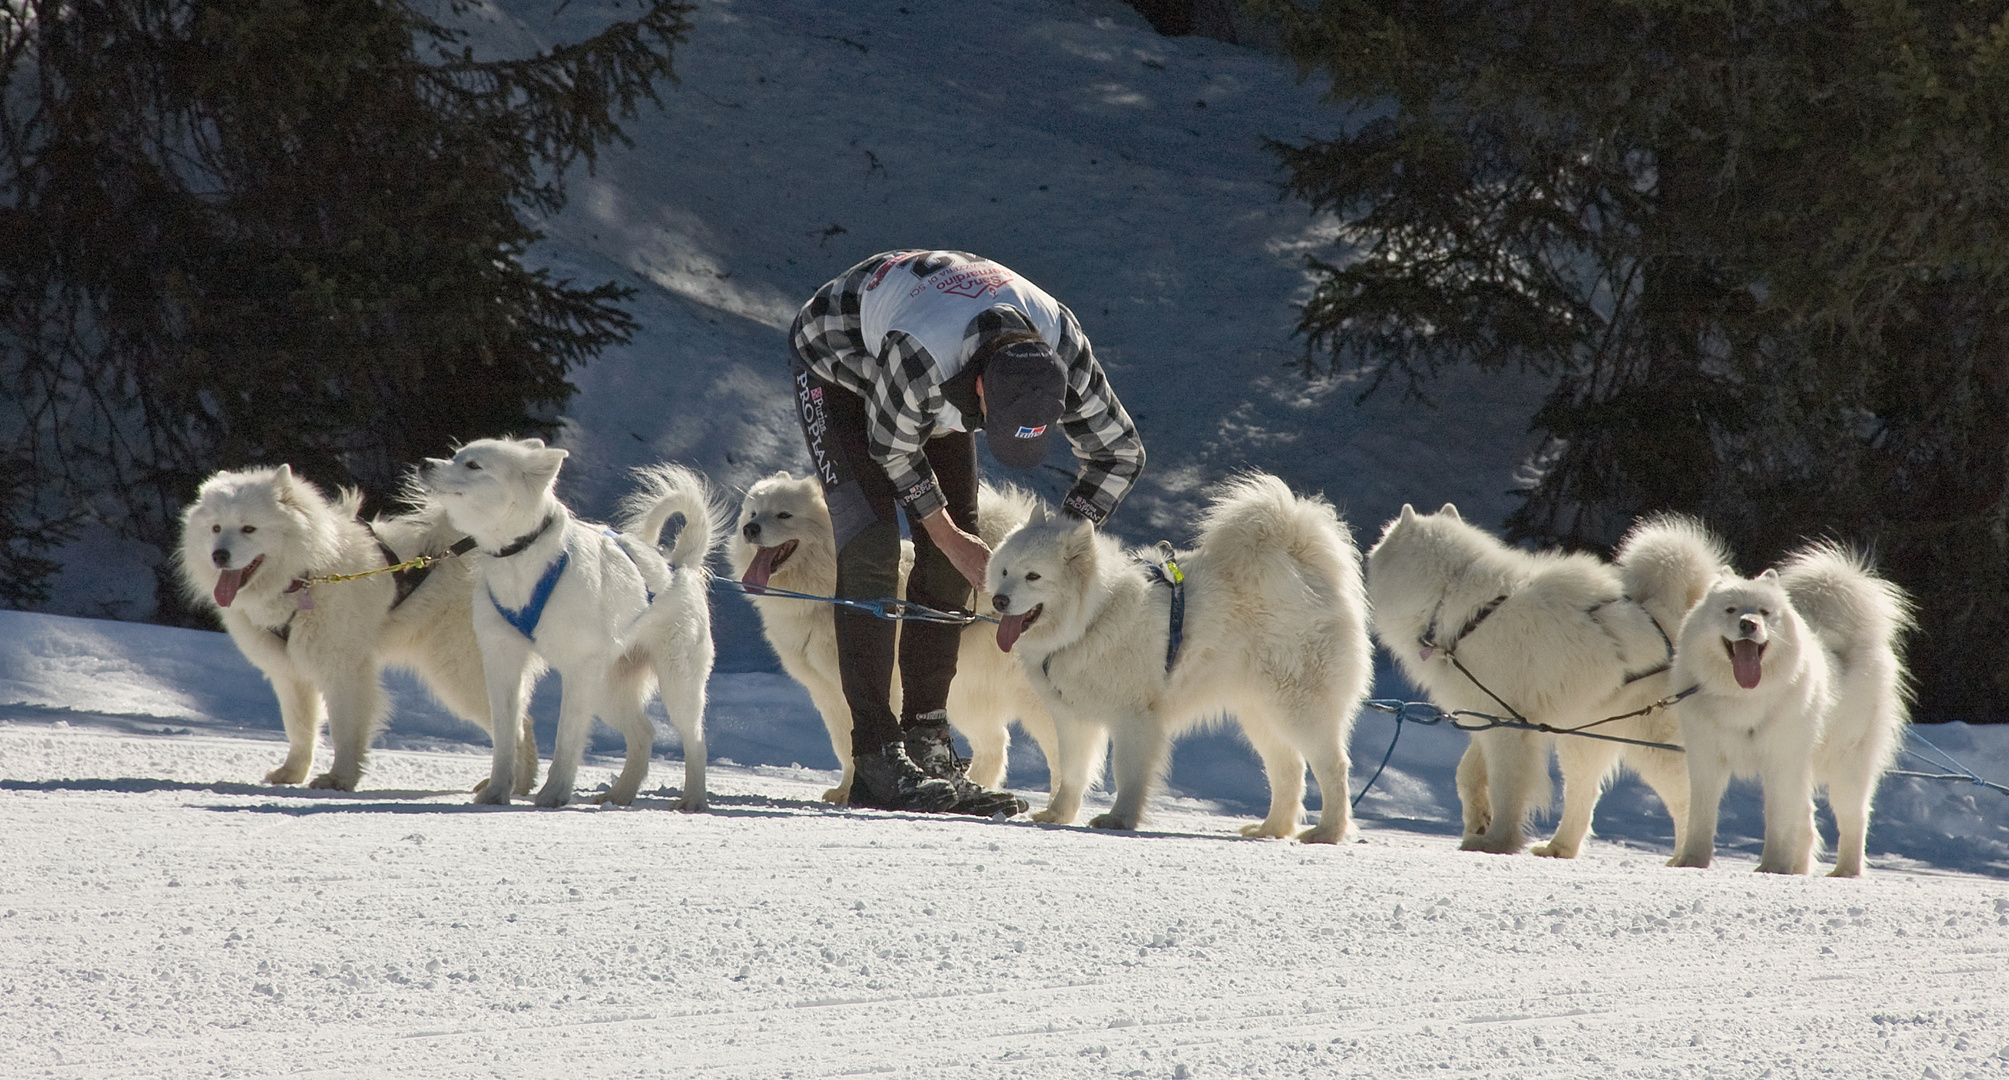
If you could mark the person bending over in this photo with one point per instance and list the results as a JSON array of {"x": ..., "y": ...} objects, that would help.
[{"x": 895, "y": 363}]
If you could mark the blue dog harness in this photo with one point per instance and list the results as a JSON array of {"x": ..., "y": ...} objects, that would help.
[{"x": 525, "y": 618}]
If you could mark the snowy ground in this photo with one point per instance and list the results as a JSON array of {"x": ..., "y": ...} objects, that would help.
[{"x": 165, "y": 915}]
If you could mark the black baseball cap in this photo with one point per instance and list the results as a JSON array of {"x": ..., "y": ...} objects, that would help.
[{"x": 1025, "y": 388}]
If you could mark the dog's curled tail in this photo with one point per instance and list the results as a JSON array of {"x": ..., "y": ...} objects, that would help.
[
  {"x": 1001, "y": 510},
  {"x": 1668, "y": 562},
  {"x": 1837, "y": 591},
  {"x": 1265, "y": 539},
  {"x": 665, "y": 491}
]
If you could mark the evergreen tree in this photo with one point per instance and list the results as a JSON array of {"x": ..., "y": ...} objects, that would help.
[
  {"x": 243, "y": 231},
  {"x": 1758, "y": 245}
]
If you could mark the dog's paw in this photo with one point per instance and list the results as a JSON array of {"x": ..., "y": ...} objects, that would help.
[
  {"x": 618, "y": 799},
  {"x": 487, "y": 794},
  {"x": 551, "y": 800},
  {"x": 1553, "y": 850},
  {"x": 1319, "y": 834},
  {"x": 1110, "y": 821},
  {"x": 330, "y": 782},
  {"x": 1688, "y": 862},
  {"x": 1263, "y": 830},
  {"x": 1051, "y": 816},
  {"x": 838, "y": 795},
  {"x": 286, "y": 774},
  {"x": 690, "y": 804}
]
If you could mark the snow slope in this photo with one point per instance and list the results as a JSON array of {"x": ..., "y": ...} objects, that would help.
[{"x": 1123, "y": 172}]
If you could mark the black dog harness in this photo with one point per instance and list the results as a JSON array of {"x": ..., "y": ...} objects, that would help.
[{"x": 1167, "y": 572}]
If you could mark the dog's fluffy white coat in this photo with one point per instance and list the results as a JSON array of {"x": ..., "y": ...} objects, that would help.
[
  {"x": 1275, "y": 635},
  {"x": 262, "y": 529},
  {"x": 1564, "y": 639},
  {"x": 609, "y": 642},
  {"x": 790, "y": 524},
  {"x": 1800, "y": 684}
]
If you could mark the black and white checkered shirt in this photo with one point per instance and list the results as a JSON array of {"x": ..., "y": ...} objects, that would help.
[{"x": 905, "y": 405}]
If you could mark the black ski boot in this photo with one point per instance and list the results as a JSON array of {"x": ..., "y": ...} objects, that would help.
[
  {"x": 979, "y": 802},
  {"x": 886, "y": 779},
  {"x": 929, "y": 745}
]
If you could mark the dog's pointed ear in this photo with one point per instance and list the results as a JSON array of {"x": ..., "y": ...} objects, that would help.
[
  {"x": 1770, "y": 576},
  {"x": 1038, "y": 515},
  {"x": 1451, "y": 512},
  {"x": 285, "y": 473},
  {"x": 1079, "y": 545},
  {"x": 546, "y": 463},
  {"x": 533, "y": 443},
  {"x": 1408, "y": 515}
]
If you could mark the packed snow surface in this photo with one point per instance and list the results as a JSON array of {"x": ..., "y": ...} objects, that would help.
[{"x": 164, "y": 914}]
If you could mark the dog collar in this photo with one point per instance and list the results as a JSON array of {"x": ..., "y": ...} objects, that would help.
[{"x": 525, "y": 541}]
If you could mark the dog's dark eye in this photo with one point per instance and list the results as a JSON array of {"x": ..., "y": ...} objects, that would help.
[
  {"x": 1031, "y": 575},
  {"x": 216, "y": 528},
  {"x": 475, "y": 465},
  {"x": 249, "y": 529},
  {"x": 782, "y": 515}
]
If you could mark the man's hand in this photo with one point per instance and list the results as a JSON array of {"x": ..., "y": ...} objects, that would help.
[{"x": 967, "y": 553}]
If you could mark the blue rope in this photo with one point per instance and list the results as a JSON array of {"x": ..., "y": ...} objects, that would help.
[
  {"x": 886, "y": 607},
  {"x": 1423, "y": 712},
  {"x": 1960, "y": 772}
]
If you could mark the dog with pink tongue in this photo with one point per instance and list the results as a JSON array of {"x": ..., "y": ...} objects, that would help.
[
  {"x": 259, "y": 548},
  {"x": 1797, "y": 680}
]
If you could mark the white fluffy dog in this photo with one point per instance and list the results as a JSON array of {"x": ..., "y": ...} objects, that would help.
[
  {"x": 1274, "y": 633},
  {"x": 1563, "y": 640},
  {"x": 784, "y": 542},
  {"x": 1801, "y": 684},
  {"x": 604, "y": 608},
  {"x": 249, "y": 543}
]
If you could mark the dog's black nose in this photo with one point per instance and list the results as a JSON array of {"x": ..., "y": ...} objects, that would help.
[
  {"x": 221, "y": 557},
  {"x": 751, "y": 532},
  {"x": 1748, "y": 625},
  {"x": 1001, "y": 601}
]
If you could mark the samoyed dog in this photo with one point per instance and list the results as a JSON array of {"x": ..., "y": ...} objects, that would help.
[
  {"x": 255, "y": 545},
  {"x": 1265, "y": 621},
  {"x": 1799, "y": 683},
  {"x": 604, "y": 608},
  {"x": 1564, "y": 640},
  {"x": 784, "y": 542}
]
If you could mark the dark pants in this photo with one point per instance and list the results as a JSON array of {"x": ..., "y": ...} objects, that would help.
[{"x": 863, "y": 517}]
